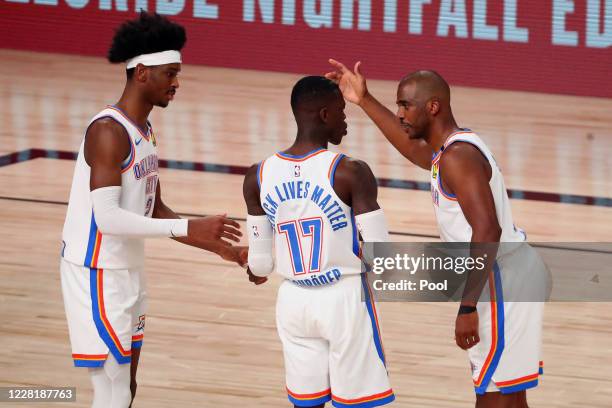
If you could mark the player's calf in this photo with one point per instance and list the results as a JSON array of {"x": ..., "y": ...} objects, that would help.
[
  {"x": 133, "y": 370},
  {"x": 499, "y": 400}
]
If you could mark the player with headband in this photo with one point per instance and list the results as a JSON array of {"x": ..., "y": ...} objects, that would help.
[{"x": 115, "y": 202}]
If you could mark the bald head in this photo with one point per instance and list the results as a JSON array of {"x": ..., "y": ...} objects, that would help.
[
  {"x": 428, "y": 85},
  {"x": 423, "y": 101}
]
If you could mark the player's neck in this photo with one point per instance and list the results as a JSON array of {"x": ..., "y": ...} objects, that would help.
[
  {"x": 440, "y": 132},
  {"x": 306, "y": 141},
  {"x": 134, "y": 107}
]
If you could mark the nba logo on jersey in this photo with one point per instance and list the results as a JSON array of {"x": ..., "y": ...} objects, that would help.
[{"x": 315, "y": 238}]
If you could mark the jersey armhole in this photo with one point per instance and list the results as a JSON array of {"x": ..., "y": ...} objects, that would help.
[
  {"x": 260, "y": 168},
  {"x": 333, "y": 166},
  {"x": 440, "y": 184}
]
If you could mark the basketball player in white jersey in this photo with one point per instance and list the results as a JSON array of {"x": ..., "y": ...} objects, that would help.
[
  {"x": 115, "y": 202},
  {"x": 305, "y": 206},
  {"x": 503, "y": 338}
]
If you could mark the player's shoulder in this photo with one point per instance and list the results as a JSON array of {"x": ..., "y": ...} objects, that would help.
[
  {"x": 353, "y": 169},
  {"x": 352, "y": 164},
  {"x": 462, "y": 150},
  {"x": 254, "y": 172},
  {"x": 106, "y": 125},
  {"x": 253, "y": 169},
  {"x": 463, "y": 156},
  {"x": 107, "y": 137}
]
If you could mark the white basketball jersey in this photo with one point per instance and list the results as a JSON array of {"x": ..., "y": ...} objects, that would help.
[
  {"x": 452, "y": 224},
  {"x": 83, "y": 242},
  {"x": 316, "y": 240}
]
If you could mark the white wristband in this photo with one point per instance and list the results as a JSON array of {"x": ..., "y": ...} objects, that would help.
[
  {"x": 261, "y": 236},
  {"x": 114, "y": 220},
  {"x": 373, "y": 226}
]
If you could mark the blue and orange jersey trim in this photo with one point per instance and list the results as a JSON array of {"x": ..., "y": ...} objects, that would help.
[
  {"x": 375, "y": 400},
  {"x": 371, "y": 307},
  {"x": 105, "y": 330},
  {"x": 305, "y": 156},
  {"x": 459, "y": 132},
  {"x": 93, "y": 245},
  {"x": 436, "y": 156},
  {"x": 355, "y": 234},
  {"x": 309, "y": 400},
  {"x": 446, "y": 195},
  {"x": 519, "y": 384},
  {"x": 143, "y": 133},
  {"x": 497, "y": 332},
  {"x": 89, "y": 360},
  {"x": 129, "y": 161},
  {"x": 260, "y": 168},
  {"x": 137, "y": 341},
  {"x": 333, "y": 166},
  {"x": 435, "y": 161}
]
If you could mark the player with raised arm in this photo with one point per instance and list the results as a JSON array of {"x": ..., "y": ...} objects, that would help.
[{"x": 503, "y": 337}]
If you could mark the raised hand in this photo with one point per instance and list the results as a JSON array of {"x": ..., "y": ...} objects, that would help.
[
  {"x": 218, "y": 228},
  {"x": 352, "y": 84}
]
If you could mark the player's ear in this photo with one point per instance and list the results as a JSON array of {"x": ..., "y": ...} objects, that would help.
[
  {"x": 324, "y": 114},
  {"x": 433, "y": 106},
  {"x": 141, "y": 73}
]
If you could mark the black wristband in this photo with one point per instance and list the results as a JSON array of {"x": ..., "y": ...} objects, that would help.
[{"x": 466, "y": 309}]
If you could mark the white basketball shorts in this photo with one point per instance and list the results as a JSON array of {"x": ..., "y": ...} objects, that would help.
[
  {"x": 105, "y": 309},
  {"x": 508, "y": 357},
  {"x": 332, "y": 346}
]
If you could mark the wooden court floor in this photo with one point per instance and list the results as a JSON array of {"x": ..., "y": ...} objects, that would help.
[{"x": 210, "y": 338}]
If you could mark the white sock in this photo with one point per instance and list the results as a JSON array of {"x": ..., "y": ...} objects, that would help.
[{"x": 111, "y": 385}]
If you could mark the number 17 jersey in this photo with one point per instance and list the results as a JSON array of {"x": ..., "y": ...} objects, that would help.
[{"x": 315, "y": 237}]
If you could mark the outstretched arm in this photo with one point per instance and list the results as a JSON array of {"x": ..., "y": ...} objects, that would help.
[
  {"x": 106, "y": 146},
  {"x": 236, "y": 254},
  {"x": 354, "y": 89}
]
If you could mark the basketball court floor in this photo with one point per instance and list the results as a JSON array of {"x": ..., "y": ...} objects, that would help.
[{"x": 210, "y": 339}]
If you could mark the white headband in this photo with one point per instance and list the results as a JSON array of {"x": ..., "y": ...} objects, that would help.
[{"x": 157, "y": 58}]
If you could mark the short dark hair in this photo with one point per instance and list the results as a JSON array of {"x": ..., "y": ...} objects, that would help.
[
  {"x": 146, "y": 34},
  {"x": 312, "y": 90}
]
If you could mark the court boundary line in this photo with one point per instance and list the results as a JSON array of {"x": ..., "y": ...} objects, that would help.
[
  {"x": 31, "y": 154},
  {"x": 397, "y": 233}
]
